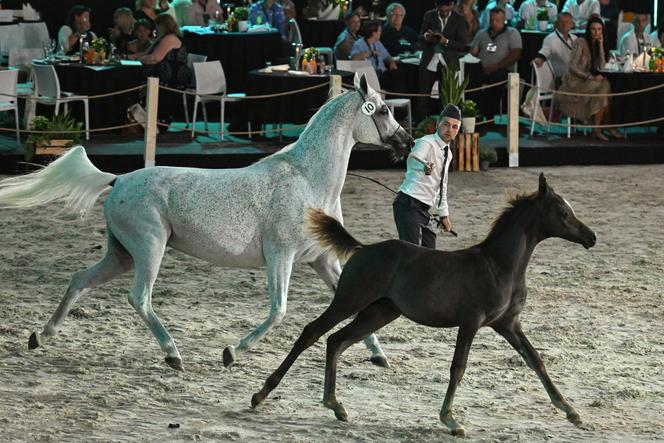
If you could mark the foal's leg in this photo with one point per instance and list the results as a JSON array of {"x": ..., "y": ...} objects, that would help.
[
  {"x": 464, "y": 340},
  {"x": 515, "y": 336},
  {"x": 116, "y": 261},
  {"x": 279, "y": 269},
  {"x": 330, "y": 271},
  {"x": 372, "y": 318},
  {"x": 332, "y": 316}
]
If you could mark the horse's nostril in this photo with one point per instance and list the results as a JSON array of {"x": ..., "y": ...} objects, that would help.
[{"x": 594, "y": 238}]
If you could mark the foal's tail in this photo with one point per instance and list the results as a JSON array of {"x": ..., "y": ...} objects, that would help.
[
  {"x": 71, "y": 179},
  {"x": 332, "y": 235}
]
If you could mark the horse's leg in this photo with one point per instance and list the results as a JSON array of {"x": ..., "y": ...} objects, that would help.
[
  {"x": 372, "y": 318},
  {"x": 279, "y": 269},
  {"x": 116, "y": 261},
  {"x": 515, "y": 336},
  {"x": 147, "y": 264},
  {"x": 464, "y": 340},
  {"x": 330, "y": 271},
  {"x": 333, "y": 315}
]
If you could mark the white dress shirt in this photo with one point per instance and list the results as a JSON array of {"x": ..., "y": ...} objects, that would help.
[
  {"x": 582, "y": 12},
  {"x": 558, "y": 50},
  {"x": 631, "y": 43},
  {"x": 426, "y": 188},
  {"x": 528, "y": 10},
  {"x": 437, "y": 56}
]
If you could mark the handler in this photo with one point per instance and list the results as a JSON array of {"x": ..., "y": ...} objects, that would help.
[{"x": 425, "y": 184}]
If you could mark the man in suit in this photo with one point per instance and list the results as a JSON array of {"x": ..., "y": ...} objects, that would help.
[{"x": 442, "y": 38}]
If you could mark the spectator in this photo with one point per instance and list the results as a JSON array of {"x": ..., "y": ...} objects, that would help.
[
  {"x": 498, "y": 48},
  {"x": 201, "y": 11},
  {"x": 270, "y": 12},
  {"x": 658, "y": 36},
  {"x": 183, "y": 12},
  {"x": 557, "y": 46},
  {"x": 510, "y": 16},
  {"x": 143, "y": 39},
  {"x": 468, "y": 10},
  {"x": 370, "y": 48},
  {"x": 145, "y": 10},
  {"x": 635, "y": 40},
  {"x": 588, "y": 57},
  {"x": 442, "y": 38},
  {"x": 582, "y": 10},
  {"x": 347, "y": 37},
  {"x": 78, "y": 24},
  {"x": 528, "y": 11},
  {"x": 121, "y": 33},
  {"x": 396, "y": 37},
  {"x": 609, "y": 11}
]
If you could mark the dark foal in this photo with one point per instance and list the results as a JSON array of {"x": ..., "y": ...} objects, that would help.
[{"x": 480, "y": 286}]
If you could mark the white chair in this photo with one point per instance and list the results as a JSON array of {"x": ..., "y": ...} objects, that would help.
[
  {"x": 21, "y": 58},
  {"x": 392, "y": 103},
  {"x": 545, "y": 82},
  {"x": 295, "y": 36},
  {"x": 48, "y": 92},
  {"x": 211, "y": 87},
  {"x": 191, "y": 87},
  {"x": 8, "y": 100}
]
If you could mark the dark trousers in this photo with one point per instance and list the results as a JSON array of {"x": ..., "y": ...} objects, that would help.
[
  {"x": 488, "y": 100},
  {"x": 426, "y": 80},
  {"x": 413, "y": 221}
]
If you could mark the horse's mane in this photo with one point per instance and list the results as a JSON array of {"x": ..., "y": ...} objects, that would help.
[{"x": 516, "y": 205}]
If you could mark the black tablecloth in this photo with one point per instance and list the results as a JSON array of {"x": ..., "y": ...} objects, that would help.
[
  {"x": 320, "y": 32},
  {"x": 106, "y": 111},
  {"x": 239, "y": 52},
  {"x": 294, "y": 108},
  {"x": 636, "y": 107}
]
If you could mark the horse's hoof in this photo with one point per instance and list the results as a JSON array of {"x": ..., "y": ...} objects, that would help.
[
  {"x": 175, "y": 363},
  {"x": 458, "y": 432},
  {"x": 575, "y": 418},
  {"x": 340, "y": 413},
  {"x": 34, "y": 341},
  {"x": 380, "y": 361},
  {"x": 229, "y": 356},
  {"x": 257, "y": 399}
]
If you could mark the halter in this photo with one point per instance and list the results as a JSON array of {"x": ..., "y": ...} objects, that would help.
[{"x": 364, "y": 99}]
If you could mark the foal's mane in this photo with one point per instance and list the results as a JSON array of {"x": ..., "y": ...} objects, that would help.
[{"x": 516, "y": 206}]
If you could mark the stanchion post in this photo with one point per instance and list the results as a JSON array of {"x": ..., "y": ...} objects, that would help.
[
  {"x": 513, "y": 119},
  {"x": 151, "y": 122},
  {"x": 335, "y": 85}
]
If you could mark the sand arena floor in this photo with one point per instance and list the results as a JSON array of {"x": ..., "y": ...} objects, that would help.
[{"x": 596, "y": 317}]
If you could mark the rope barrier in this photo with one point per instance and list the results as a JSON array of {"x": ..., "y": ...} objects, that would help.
[
  {"x": 32, "y": 131},
  {"x": 607, "y": 126},
  {"x": 264, "y": 131},
  {"x": 404, "y": 94},
  {"x": 579, "y": 94},
  {"x": 251, "y": 97},
  {"x": 64, "y": 99}
]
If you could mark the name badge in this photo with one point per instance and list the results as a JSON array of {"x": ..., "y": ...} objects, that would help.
[
  {"x": 491, "y": 47},
  {"x": 368, "y": 108}
]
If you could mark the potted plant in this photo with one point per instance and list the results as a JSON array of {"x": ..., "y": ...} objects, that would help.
[
  {"x": 543, "y": 19},
  {"x": 488, "y": 155},
  {"x": 52, "y": 143},
  {"x": 426, "y": 127},
  {"x": 469, "y": 114},
  {"x": 241, "y": 14},
  {"x": 450, "y": 88}
]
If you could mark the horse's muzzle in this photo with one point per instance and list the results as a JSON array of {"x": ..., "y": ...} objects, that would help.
[
  {"x": 401, "y": 144},
  {"x": 590, "y": 240}
]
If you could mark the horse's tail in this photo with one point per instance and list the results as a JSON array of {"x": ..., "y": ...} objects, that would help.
[
  {"x": 71, "y": 179},
  {"x": 332, "y": 235}
]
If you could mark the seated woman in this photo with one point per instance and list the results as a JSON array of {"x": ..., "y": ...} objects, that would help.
[
  {"x": 202, "y": 10},
  {"x": 140, "y": 46},
  {"x": 121, "y": 33},
  {"x": 468, "y": 10},
  {"x": 78, "y": 24},
  {"x": 583, "y": 77},
  {"x": 145, "y": 10},
  {"x": 348, "y": 36},
  {"x": 370, "y": 48}
]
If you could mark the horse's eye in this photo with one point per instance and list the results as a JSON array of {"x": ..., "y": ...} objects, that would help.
[
  {"x": 385, "y": 110},
  {"x": 564, "y": 214}
]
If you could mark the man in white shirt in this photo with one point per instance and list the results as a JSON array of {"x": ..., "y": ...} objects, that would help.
[
  {"x": 557, "y": 46},
  {"x": 425, "y": 184},
  {"x": 510, "y": 15},
  {"x": 635, "y": 39},
  {"x": 528, "y": 10},
  {"x": 581, "y": 10}
]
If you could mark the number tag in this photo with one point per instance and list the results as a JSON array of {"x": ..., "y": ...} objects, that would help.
[{"x": 368, "y": 108}]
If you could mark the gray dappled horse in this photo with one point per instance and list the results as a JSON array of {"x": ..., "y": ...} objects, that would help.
[
  {"x": 484, "y": 285},
  {"x": 246, "y": 217}
]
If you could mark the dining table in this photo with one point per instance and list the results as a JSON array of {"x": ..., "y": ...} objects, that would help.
[{"x": 637, "y": 107}]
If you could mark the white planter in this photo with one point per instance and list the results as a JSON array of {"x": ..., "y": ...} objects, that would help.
[
  {"x": 543, "y": 25},
  {"x": 468, "y": 124},
  {"x": 243, "y": 25}
]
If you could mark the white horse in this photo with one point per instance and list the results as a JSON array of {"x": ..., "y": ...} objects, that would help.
[{"x": 247, "y": 217}]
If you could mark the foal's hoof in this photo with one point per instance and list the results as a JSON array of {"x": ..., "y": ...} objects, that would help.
[
  {"x": 34, "y": 341},
  {"x": 575, "y": 418},
  {"x": 339, "y": 410},
  {"x": 257, "y": 399},
  {"x": 229, "y": 356},
  {"x": 380, "y": 360},
  {"x": 175, "y": 363}
]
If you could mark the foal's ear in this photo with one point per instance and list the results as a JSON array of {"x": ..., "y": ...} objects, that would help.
[{"x": 543, "y": 186}]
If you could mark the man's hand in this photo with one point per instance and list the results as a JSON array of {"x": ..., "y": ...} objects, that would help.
[
  {"x": 597, "y": 78},
  {"x": 392, "y": 65},
  {"x": 490, "y": 68},
  {"x": 538, "y": 61},
  {"x": 445, "y": 224},
  {"x": 429, "y": 36},
  {"x": 443, "y": 39},
  {"x": 428, "y": 168}
]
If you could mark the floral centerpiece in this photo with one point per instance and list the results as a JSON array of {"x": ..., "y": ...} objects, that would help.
[
  {"x": 96, "y": 54},
  {"x": 309, "y": 60},
  {"x": 343, "y": 7}
]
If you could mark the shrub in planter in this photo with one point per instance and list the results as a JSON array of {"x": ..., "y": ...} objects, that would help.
[
  {"x": 426, "y": 127},
  {"x": 488, "y": 155},
  {"x": 70, "y": 133}
]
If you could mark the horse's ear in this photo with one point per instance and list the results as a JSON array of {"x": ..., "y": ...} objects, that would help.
[
  {"x": 364, "y": 86},
  {"x": 356, "y": 80},
  {"x": 543, "y": 186}
]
